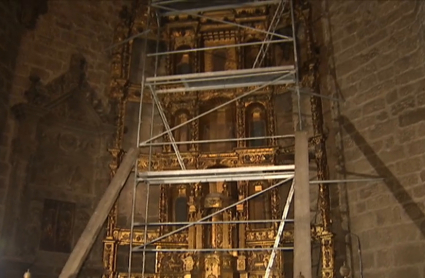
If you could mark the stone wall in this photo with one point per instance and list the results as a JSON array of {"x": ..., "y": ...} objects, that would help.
[
  {"x": 67, "y": 45},
  {"x": 10, "y": 35},
  {"x": 374, "y": 53}
]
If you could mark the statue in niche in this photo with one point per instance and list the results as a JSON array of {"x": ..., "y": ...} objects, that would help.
[
  {"x": 257, "y": 127},
  {"x": 182, "y": 133},
  {"x": 181, "y": 206},
  {"x": 184, "y": 67}
]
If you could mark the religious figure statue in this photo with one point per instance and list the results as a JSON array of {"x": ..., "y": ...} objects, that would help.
[{"x": 184, "y": 67}]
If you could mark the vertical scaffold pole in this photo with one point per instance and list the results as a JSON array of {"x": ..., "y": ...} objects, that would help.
[{"x": 302, "y": 230}]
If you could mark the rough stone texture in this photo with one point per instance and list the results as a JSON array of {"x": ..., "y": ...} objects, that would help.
[
  {"x": 81, "y": 29},
  {"x": 376, "y": 62}
]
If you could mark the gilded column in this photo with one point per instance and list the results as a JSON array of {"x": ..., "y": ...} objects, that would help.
[
  {"x": 194, "y": 127},
  {"x": 326, "y": 237},
  {"x": 118, "y": 89},
  {"x": 270, "y": 120},
  {"x": 240, "y": 120},
  {"x": 241, "y": 212}
]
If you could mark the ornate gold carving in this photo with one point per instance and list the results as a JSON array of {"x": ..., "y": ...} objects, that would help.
[
  {"x": 189, "y": 263},
  {"x": 140, "y": 275},
  {"x": 184, "y": 30},
  {"x": 326, "y": 242},
  {"x": 312, "y": 81},
  {"x": 257, "y": 156},
  {"x": 123, "y": 237},
  {"x": 170, "y": 262},
  {"x": 186, "y": 37}
]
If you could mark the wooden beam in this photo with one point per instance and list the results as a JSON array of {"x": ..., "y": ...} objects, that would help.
[
  {"x": 302, "y": 229},
  {"x": 92, "y": 230}
]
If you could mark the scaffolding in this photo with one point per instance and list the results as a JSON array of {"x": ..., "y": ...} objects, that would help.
[{"x": 255, "y": 79}]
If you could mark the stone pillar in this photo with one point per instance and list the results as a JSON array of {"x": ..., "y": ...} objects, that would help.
[
  {"x": 302, "y": 230},
  {"x": 24, "y": 145}
]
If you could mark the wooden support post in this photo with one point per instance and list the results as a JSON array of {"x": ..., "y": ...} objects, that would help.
[
  {"x": 88, "y": 237},
  {"x": 302, "y": 230}
]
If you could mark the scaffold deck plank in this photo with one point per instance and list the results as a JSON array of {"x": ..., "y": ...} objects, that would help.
[
  {"x": 214, "y": 175},
  {"x": 196, "y": 6},
  {"x": 228, "y": 79}
]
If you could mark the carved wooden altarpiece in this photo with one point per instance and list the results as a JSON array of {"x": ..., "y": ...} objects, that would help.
[{"x": 253, "y": 116}]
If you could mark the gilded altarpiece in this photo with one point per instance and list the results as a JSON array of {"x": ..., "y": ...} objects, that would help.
[{"x": 252, "y": 116}]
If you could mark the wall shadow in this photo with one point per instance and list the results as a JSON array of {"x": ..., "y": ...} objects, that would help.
[{"x": 411, "y": 208}]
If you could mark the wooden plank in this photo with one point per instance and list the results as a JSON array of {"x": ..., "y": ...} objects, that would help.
[
  {"x": 302, "y": 229},
  {"x": 92, "y": 230}
]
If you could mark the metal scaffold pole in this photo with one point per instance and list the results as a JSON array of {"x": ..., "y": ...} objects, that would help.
[
  {"x": 256, "y": 79},
  {"x": 278, "y": 238},
  {"x": 302, "y": 229},
  {"x": 239, "y": 83}
]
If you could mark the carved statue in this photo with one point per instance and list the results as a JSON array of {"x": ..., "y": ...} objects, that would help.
[
  {"x": 184, "y": 67},
  {"x": 189, "y": 263}
]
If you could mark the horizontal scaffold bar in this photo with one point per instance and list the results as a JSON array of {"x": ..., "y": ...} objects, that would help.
[
  {"x": 211, "y": 6},
  {"x": 203, "y": 250},
  {"x": 194, "y": 13},
  {"x": 211, "y": 215},
  {"x": 239, "y": 45},
  {"x": 212, "y": 178},
  {"x": 345, "y": 181},
  {"x": 219, "y": 140},
  {"x": 224, "y": 174},
  {"x": 215, "y": 222},
  {"x": 223, "y": 79}
]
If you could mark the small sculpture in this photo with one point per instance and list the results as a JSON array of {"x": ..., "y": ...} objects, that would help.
[
  {"x": 345, "y": 271},
  {"x": 27, "y": 274}
]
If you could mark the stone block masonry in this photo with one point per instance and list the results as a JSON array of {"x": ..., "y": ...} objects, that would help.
[
  {"x": 378, "y": 51},
  {"x": 10, "y": 37},
  {"x": 68, "y": 28}
]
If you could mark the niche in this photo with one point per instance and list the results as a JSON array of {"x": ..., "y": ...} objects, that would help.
[
  {"x": 183, "y": 61},
  {"x": 256, "y": 124},
  {"x": 259, "y": 206},
  {"x": 227, "y": 193},
  {"x": 219, "y": 124},
  {"x": 251, "y": 53},
  {"x": 284, "y": 51},
  {"x": 177, "y": 204},
  {"x": 219, "y": 60},
  {"x": 58, "y": 225},
  {"x": 138, "y": 57},
  {"x": 180, "y": 206},
  {"x": 182, "y": 133}
]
